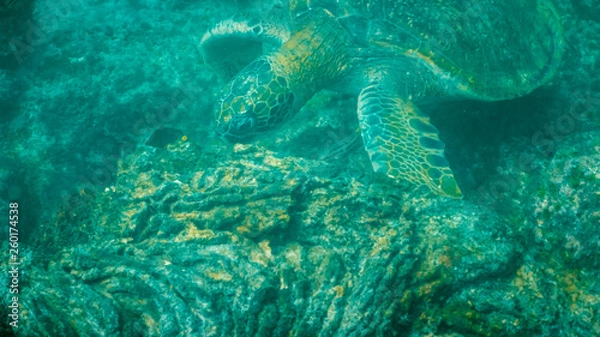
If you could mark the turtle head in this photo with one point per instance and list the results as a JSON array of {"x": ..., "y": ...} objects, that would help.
[
  {"x": 272, "y": 88},
  {"x": 255, "y": 101}
]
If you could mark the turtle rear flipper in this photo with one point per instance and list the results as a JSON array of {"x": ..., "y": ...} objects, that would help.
[
  {"x": 232, "y": 44},
  {"x": 402, "y": 143}
]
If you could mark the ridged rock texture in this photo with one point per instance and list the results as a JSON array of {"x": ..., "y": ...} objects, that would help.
[{"x": 188, "y": 242}]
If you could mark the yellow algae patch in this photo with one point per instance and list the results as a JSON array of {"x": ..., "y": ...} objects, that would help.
[
  {"x": 293, "y": 182},
  {"x": 582, "y": 302},
  {"x": 427, "y": 288},
  {"x": 406, "y": 297},
  {"x": 571, "y": 285},
  {"x": 332, "y": 217},
  {"x": 317, "y": 255},
  {"x": 243, "y": 229},
  {"x": 282, "y": 282},
  {"x": 264, "y": 245},
  {"x": 230, "y": 175},
  {"x": 144, "y": 187},
  {"x": 221, "y": 214},
  {"x": 258, "y": 220},
  {"x": 219, "y": 275},
  {"x": 237, "y": 148},
  {"x": 104, "y": 221},
  {"x": 526, "y": 280},
  {"x": 263, "y": 255},
  {"x": 463, "y": 88},
  {"x": 331, "y": 313},
  {"x": 445, "y": 260},
  {"x": 196, "y": 179},
  {"x": 150, "y": 322},
  {"x": 339, "y": 291},
  {"x": 293, "y": 255},
  {"x": 184, "y": 187},
  {"x": 186, "y": 216},
  {"x": 125, "y": 240},
  {"x": 257, "y": 256},
  {"x": 191, "y": 232},
  {"x": 273, "y": 162},
  {"x": 355, "y": 187},
  {"x": 382, "y": 241},
  {"x": 133, "y": 209},
  {"x": 127, "y": 215}
]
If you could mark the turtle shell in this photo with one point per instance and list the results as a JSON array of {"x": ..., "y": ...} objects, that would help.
[{"x": 485, "y": 49}]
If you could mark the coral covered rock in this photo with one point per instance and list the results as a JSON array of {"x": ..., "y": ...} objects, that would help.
[{"x": 259, "y": 245}]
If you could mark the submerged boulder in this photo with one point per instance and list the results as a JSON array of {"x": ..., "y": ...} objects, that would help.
[{"x": 252, "y": 244}]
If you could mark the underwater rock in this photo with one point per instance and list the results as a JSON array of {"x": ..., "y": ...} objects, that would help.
[
  {"x": 567, "y": 203},
  {"x": 252, "y": 244}
]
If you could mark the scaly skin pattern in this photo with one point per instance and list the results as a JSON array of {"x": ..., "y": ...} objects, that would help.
[
  {"x": 402, "y": 143},
  {"x": 255, "y": 100},
  {"x": 274, "y": 87}
]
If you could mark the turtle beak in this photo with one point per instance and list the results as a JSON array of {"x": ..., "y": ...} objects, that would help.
[
  {"x": 231, "y": 138},
  {"x": 226, "y": 136},
  {"x": 239, "y": 129}
]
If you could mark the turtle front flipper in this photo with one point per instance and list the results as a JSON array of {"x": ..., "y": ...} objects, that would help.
[
  {"x": 402, "y": 143},
  {"x": 232, "y": 44}
]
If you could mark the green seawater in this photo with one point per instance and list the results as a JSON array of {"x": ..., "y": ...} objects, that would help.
[{"x": 126, "y": 214}]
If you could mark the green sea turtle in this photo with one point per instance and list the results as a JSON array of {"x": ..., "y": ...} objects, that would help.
[{"x": 394, "y": 55}]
